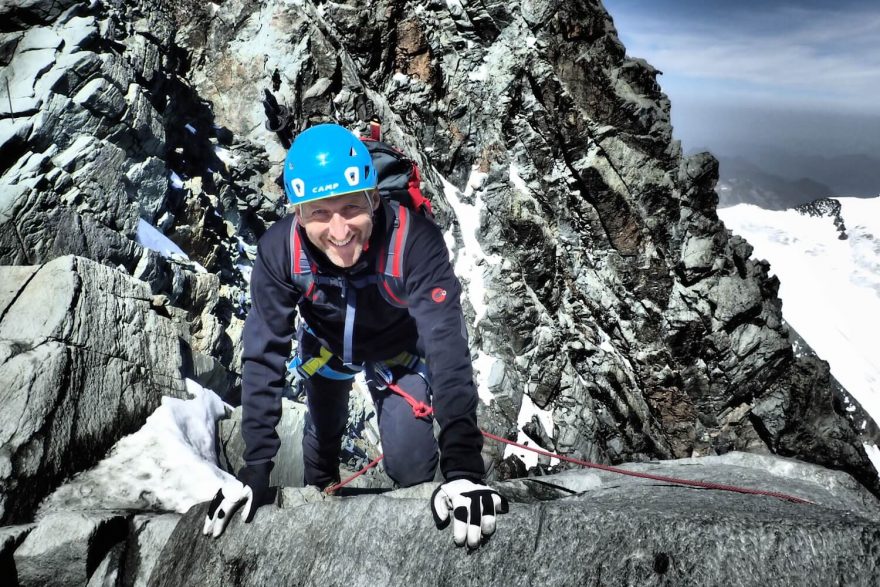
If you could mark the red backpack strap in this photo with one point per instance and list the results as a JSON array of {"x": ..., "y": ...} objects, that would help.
[
  {"x": 420, "y": 202},
  {"x": 300, "y": 268},
  {"x": 391, "y": 258}
]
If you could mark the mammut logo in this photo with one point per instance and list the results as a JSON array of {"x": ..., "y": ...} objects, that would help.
[
  {"x": 324, "y": 188},
  {"x": 438, "y": 294}
]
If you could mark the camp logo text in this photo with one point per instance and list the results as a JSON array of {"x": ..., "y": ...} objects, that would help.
[{"x": 324, "y": 188}]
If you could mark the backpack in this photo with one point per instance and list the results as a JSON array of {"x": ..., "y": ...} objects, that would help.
[{"x": 399, "y": 183}]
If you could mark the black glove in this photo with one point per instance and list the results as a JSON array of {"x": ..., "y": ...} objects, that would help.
[
  {"x": 253, "y": 490},
  {"x": 473, "y": 506}
]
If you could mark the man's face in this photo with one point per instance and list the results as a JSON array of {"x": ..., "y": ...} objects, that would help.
[{"x": 340, "y": 226}]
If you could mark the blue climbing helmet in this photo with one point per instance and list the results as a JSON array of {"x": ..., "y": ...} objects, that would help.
[{"x": 324, "y": 161}]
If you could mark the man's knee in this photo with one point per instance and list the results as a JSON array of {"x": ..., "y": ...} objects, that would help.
[
  {"x": 409, "y": 467},
  {"x": 411, "y": 472}
]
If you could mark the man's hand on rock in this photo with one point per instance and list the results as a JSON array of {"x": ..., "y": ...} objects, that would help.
[
  {"x": 472, "y": 506},
  {"x": 252, "y": 489}
]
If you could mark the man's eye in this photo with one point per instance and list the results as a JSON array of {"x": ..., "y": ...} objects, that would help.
[{"x": 320, "y": 214}]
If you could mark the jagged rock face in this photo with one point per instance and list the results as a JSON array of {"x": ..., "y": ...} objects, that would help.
[
  {"x": 84, "y": 359},
  {"x": 81, "y": 131},
  {"x": 607, "y": 529},
  {"x": 95, "y": 116},
  {"x": 614, "y": 297}
]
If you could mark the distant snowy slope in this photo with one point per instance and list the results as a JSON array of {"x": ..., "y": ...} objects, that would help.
[{"x": 830, "y": 283}]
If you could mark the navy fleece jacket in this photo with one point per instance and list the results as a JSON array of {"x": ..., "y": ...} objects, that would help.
[{"x": 433, "y": 323}]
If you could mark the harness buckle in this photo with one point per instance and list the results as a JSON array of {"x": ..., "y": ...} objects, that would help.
[{"x": 381, "y": 375}]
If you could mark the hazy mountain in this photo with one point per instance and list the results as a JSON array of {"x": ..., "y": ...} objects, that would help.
[
  {"x": 855, "y": 175},
  {"x": 743, "y": 182},
  {"x": 776, "y": 179}
]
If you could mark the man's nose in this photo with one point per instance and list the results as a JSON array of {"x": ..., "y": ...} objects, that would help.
[{"x": 338, "y": 227}]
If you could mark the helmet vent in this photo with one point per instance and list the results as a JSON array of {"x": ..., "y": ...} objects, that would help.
[{"x": 298, "y": 187}]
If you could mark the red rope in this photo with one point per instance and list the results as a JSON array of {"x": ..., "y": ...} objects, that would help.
[
  {"x": 421, "y": 410},
  {"x": 663, "y": 478},
  {"x": 333, "y": 488}
]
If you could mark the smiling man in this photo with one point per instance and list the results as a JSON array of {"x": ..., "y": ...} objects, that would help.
[
  {"x": 340, "y": 226},
  {"x": 376, "y": 292}
]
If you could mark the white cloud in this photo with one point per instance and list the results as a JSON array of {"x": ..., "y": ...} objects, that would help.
[{"x": 786, "y": 53}]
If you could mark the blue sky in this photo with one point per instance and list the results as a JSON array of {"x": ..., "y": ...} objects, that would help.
[{"x": 803, "y": 75}]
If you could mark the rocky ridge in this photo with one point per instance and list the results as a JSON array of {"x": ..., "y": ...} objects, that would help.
[
  {"x": 573, "y": 528},
  {"x": 825, "y": 207}
]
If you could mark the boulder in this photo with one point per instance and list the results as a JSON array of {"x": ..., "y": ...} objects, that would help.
[
  {"x": 10, "y": 539},
  {"x": 67, "y": 548},
  {"x": 84, "y": 359},
  {"x": 573, "y": 528},
  {"x": 145, "y": 543},
  {"x": 288, "y": 469}
]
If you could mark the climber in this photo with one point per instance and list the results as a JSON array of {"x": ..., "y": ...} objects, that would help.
[{"x": 375, "y": 290}]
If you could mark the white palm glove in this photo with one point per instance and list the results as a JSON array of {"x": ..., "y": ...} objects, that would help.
[
  {"x": 472, "y": 507},
  {"x": 251, "y": 489}
]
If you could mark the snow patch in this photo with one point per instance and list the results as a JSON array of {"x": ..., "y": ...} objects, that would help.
[
  {"x": 169, "y": 464},
  {"x": 472, "y": 260},
  {"x": 518, "y": 181},
  {"x": 605, "y": 341},
  {"x": 148, "y": 236},
  {"x": 226, "y": 156},
  {"x": 873, "y": 454},
  {"x": 483, "y": 368},
  {"x": 481, "y": 74},
  {"x": 175, "y": 180},
  {"x": 526, "y": 411},
  {"x": 245, "y": 271}
]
